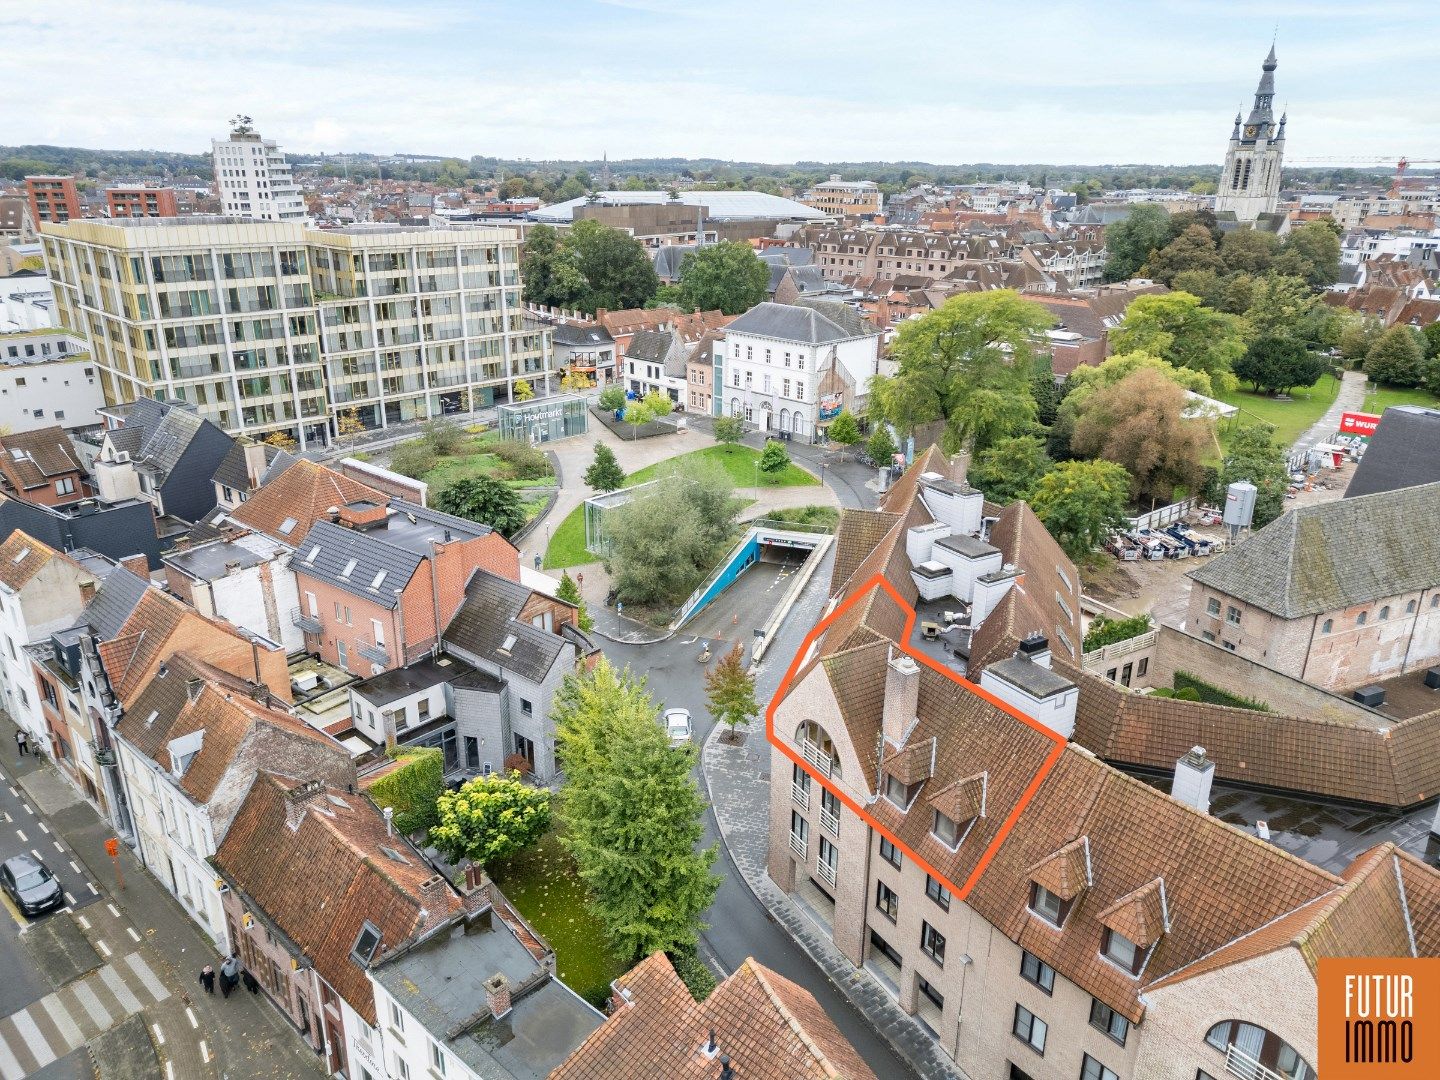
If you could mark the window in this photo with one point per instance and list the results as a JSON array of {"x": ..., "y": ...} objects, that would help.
[
  {"x": 945, "y": 830},
  {"x": 1030, "y": 1029},
  {"x": 397, "y": 1019},
  {"x": 1109, "y": 1021},
  {"x": 1047, "y": 905},
  {"x": 1207, "y": 635},
  {"x": 1122, "y": 951},
  {"x": 1435, "y": 601},
  {"x": 379, "y": 629},
  {"x": 887, "y": 900},
  {"x": 526, "y": 708},
  {"x": 1232, "y": 615},
  {"x": 1385, "y": 613},
  {"x": 1091, "y": 1069},
  {"x": 932, "y": 943},
  {"x": 890, "y": 853},
  {"x": 65, "y": 486},
  {"x": 937, "y": 892},
  {"x": 1212, "y": 607},
  {"x": 402, "y": 1068},
  {"x": 1254, "y": 1044},
  {"x": 1327, "y": 626},
  {"x": 437, "y": 1059},
  {"x": 1410, "y": 607},
  {"x": 1360, "y": 619},
  {"x": 931, "y": 994},
  {"x": 1035, "y": 970},
  {"x": 1229, "y": 645},
  {"x": 897, "y": 792},
  {"x": 366, "y": 942},
  {"x": 1142, "y": 667}
]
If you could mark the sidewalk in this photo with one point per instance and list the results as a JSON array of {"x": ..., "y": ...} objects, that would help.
[
  {"x": 738, "y": 781},
  {"x": 203, "y": 1036},
  {"x": 1349, "y": 399}
]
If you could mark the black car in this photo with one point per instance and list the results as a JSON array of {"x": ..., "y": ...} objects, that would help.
[{"x": 31, "y": 885}]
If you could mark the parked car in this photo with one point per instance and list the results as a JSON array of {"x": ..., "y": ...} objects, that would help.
[
  {"x": 677, "y": 726},
  {"x": 31, "y": 885}
]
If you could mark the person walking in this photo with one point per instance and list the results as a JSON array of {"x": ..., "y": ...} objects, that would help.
[
  {"x": 229, "y": 974},
  {"x": 22, "y": 741},
  {"x": 207, "y": 979}
]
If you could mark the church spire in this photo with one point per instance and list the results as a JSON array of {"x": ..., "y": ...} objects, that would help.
[{"x": 1262, "y": 116}]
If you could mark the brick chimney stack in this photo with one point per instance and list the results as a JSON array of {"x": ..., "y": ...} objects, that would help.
[
  {"x": 902, "y": 698},
  {"x": 298, "y": 800},
  {"x": 497, "y": 995}
]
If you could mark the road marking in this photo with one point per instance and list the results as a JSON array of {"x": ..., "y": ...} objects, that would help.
[
  {"x": 69, "y": 899},
  {"x": 155, "y": 986},
  {"x": 74, "y": 866},
  {"x": 58, "y": 847},
  {"x": 9, "y": 1065},
  {"x": 113, "y": 910},
  {"x": 36, "y": 854},
  {"x": 43, "y": 827},
  {"x": 35, "y": 1040},
  {"x": 23, "y": 838},
  {"x": 13, "y": 791},
  {"x": 103, "y": 947},
  {"x": 205, "y": 1052},
  {"x": 91, "y": 886},
  {"x": 133, "y": 935},
  {"x": 91, "y": 1004},
  {"x": 26, "y": 805},
  {"x": 64, "y": 1023},
  {"x": 190, "y": 1015},
  {"x": 123, "y": 994},
  {"x": 159, "y": 1035},
  {"x": 20, "y": 920},
  {"x": 83, "y": 921},
  {"x": 169, "y": 1070}
]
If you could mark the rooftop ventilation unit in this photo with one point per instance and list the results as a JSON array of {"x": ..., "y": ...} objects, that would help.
[{"x": 1371, "y": 697}]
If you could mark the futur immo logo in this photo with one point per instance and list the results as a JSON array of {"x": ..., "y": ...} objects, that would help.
[{"x": 1379, "y": 1018}]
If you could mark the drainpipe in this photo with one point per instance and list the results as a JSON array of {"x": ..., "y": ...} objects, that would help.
[{"x": 434, "y": 595}]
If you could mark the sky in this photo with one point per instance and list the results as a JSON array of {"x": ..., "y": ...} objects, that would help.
[{"x": 774, "y": 81}]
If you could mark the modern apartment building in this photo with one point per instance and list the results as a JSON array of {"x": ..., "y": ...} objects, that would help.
[
  {"x": 845, "y": 198},
  {"x": 142, "y": 201},
  {"x": 253, "y": 177},
  {"x": 272, "y": 326},
  {"x": 52, "y": 198}
]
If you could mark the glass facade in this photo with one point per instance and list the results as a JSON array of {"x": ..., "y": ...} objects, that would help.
[{"x": 544, "y": 420}]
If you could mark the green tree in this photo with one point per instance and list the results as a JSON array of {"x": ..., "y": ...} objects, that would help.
[
  {"x": 490, "y": 818},
  {"x": 633, "y": 815},
  {"x": 1081, "y": 503},
  {"x": 729, "y": 429},
  {"x": 1397, "y": 358},
  {"x": 774, "y": 458},
  {"x": 663, "y": 543},
  {"x": 1311, "y": 252},
  {"x": 1192, "y": 250},
  {"x": 881, "y": 448},
  {"x": 727, "y": 275},
  {"x": 612, "y": 397},
  {"x": 968, "y": 363},
  {"x": 1209, "y": 286},
  {"x": 1177, "y": 327},
  {"x": 484, "y": 499},
  {"x": 730, "y": 691},
  {"x": 1278, "y": 363},
  {"x": 1358, "y": 335},
  {"x": 1281, "y": 306},
  {"x": 412, "y": 790},
  {"x": 1107, "y": 631},
  {"x": 604, "y": 473},
  {"x": 1432, "y": 340},
  {"x": 1010, "y": 469},
  {"x": 1248, "y": 251},
  {"x": 1131, "y": 240},
  {"x": 549, "y": 269},
  {"x": 523, "y": 390},
  {"x": 444, "y": 437},
  {"x": 568, "y": 591},
  {"x": 1253, "y": 455},
  {"x": 413, "y": 459},
  {"x": 616, "y": 267},
  {"x": 843, "y": 429}
]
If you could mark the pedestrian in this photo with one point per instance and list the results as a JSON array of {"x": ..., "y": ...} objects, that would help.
[
  {"x": 580, "y": 580},
  {"x": 229, "y": 974},
  {"x": 22, "y": 742},
  {"x": 207, "y": 979}
]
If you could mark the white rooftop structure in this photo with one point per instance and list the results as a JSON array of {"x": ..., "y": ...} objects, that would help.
[{"x": 722, "y": 205}]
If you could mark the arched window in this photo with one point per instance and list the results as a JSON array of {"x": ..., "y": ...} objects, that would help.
[
  {"x": 784, "y": 419},
  {"x": 1249, "y": 1045},
  {"x": 1361, "y": 618},
  {"x": 817, "y": 748},
  {"x": 1385, "y": 613},
  {"x": 734, "y": 406},
  {"x": 1410, "y": 607},
  {"x": 1327, "y": 626}
]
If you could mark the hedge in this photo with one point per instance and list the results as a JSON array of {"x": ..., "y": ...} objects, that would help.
[
  {"x": 1214, "y": 695},
  {"x": 693, "y": 972},
  {"x": 413, "y": 789}
]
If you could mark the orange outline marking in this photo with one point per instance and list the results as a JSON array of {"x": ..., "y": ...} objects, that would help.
[{"x": 1026, "y": 796}]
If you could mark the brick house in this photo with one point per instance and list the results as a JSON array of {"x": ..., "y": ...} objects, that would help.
[
  {"x": 289, "y": 502},
  {"x": 41, "y": 466}
]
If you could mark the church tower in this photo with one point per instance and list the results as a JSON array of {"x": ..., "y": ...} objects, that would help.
[{"x": 1250, "y": 182}]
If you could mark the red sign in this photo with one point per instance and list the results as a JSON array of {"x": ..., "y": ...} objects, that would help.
[{"x": 1358, "y": 423}]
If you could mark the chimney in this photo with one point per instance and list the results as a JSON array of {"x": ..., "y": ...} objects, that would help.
[
  {"x": 389, "y": 813},
  {"x": 497, "y": 995},
  {"x": 193, "y": 688},
  {"x": 87, "y": 591},
  {"x": 431, "y": 889},
  {"x": 711, "y": 1047},
  {"x": 475, "y": 878},
  {"x": 138, "y": 565},
  {"x": 232, "y": 567},
  {"x": 726, "y": 1072},
  {"x": 254, "y": 463},
  {"x": 1036, "y": 648},
  {"x": 902, "y": 695},
  {"x": 1194, "y": 773},
  {"x": 298, "y": 800}
]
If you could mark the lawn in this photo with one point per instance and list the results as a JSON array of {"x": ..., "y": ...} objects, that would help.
[
  {"x": 1289, "y": 418},
  {"x": 739, "y": 464},
  {"x": 1377, "y": 401},
  {"x": 542, "y": 885},
  {"x": 824, "y": 516},
  {"x": 567, "y": 543}
]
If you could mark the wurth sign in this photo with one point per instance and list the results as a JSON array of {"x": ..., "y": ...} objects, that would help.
[{"x": 1358, "y": 423}]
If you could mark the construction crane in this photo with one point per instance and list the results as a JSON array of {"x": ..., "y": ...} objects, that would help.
[{"x": 1401, "y": 164}]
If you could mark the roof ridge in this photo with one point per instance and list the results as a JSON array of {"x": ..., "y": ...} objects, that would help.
[{"x": 791, "y": 1020}]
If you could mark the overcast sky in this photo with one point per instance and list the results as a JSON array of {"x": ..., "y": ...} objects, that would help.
[{"x": 759, "y": 80}]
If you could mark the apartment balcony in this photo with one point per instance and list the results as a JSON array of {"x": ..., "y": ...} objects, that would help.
[
  {"x": 799, "y": 845},
  {"x": 829, "y": 822},
  {"x": 800, "y": 795},
  {"x": 1239, "y": 1063},
  {"x": 821, "y": 759},
  {"x": 376, "y": 654},
  {"x": 311, "y": 624},
  {"x": 826, "y": 871}
]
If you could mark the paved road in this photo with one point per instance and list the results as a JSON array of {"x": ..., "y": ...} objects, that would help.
[{"x": 1349, "y": 399}]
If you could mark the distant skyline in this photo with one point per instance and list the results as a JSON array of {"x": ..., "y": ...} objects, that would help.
[{"x": 1061, "y": 83}]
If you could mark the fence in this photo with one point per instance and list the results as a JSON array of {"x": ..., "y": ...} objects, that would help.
[{"x": 1165, "y": 515}]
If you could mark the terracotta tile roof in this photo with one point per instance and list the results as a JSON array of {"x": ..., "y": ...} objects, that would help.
[
  {"x": 31, "y": 459},
  {"x": 1140, "y": 916},
  {"x": 22, "y": 557},
  {"x": 859, "y": 534},
  {"x": 302, "y": 494},
  {"x": 320, "y": 881},
  {"x": 770, "y": 1028},
  {"x": 1066, "y": 872}
]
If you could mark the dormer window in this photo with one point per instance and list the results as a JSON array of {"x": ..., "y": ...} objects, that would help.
[
  {"x": 366, "y": 942},
  {"x": 1047, "y": 905},
  {"x": 899, "y": 792},
  {"x": 946, "y": 830},
  {"x": 1123, "y": 952}
]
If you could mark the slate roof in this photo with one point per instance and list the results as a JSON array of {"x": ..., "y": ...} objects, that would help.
[
  {"x": 770, "y": 1028},
  {"x": 789, "y": 322},
  {"x": 232, "y": 472},
  {"x": 304, "y": 493},
  {"x": 43, "y": 454},
  {"x": 651, "y": 345},
  {"x": 850, "y": 320},
  {"x": 581, "y": 334},
  {"x": 488, "y": 615},
  {"x": 1335, "y": 555},
  {"x": 114, "y": 602},
  {"x": 1403, "y": 452}
]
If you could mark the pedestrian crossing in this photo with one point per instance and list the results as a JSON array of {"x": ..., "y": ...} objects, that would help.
[{"x": 56, "y": 1024}]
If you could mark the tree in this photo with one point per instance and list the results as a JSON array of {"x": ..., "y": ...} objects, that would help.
[
  {"x": 844, "y": 430},
  {"x": 550, "y": 270},
  {"x": 968, "y": 363},
  {"x": 1011, "y": 468},
  {"x": 728, "y": 276},
  {"x": 612, "y": 397},
  {"x": 575, "y": 381},
  {"x": 617, "y": 269},
  {"x": 774, "y": 458},
  {"x": 633, "y": 816},
  {"x": 413, "y": 459},
  {"x": 490, "y": 818},
  {"x": 483, "y": 499},
  {"x": 651, "y": 407},
  {"x": 1281, "y": 306},
  {"x": 1208, "y": 285},
  {"x": 730, "y": 691},
  {"x": 1139, "y": 423},
  {"x": 1131, "y": 240},
  {"x": 1107, "y": 631},
  {"x": 1248, "y": 251},
  {"x": 1397, "y": 358},
  {"x": 522, "y": 391},
  {"x": 1358, "y": 335},
  {"x": 1081, "y": 503},
  {"x": 348, "y": 423},
  {"x": 1177, "y": 327},
  {"x": 282, "y": 440},
  {"x": 1194, "y": 249},
  {"x": 568, "y": 591},
  {"x": 881, "y": 448},
  {"x": 1278, "y": 363},
  {"x": 444, "y": 437},
  {"x": 729, "y": 429},
  {"x": 1254, "y": 456},
  {"x": 1311, "y": 252},
  {"x": 1432, "y": 340},
  {"x": 604, "y": 473}
]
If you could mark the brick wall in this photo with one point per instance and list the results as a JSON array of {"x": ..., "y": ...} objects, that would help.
[
  {"x": 283, "y": 753},
  {"x": 265, "y": 957}
]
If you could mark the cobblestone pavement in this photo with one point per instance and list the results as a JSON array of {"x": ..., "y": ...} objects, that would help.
[{"x": 738, "y": 781}]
